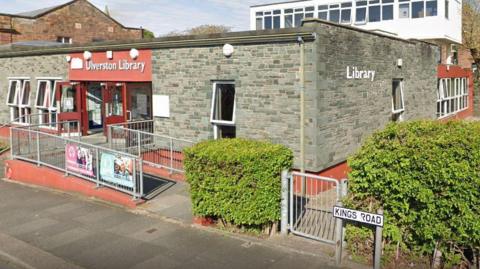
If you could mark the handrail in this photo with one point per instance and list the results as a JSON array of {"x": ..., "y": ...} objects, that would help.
[
  {"x": 152, "y": 134},
  {"x": 16, "y": 120}
]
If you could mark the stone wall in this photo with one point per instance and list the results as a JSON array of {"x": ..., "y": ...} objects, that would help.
[
  {"x": 349, "y": 110},
  {"x": 79, "y": 20},
  {"x": 30, "y": 67},
  {"x": 266, "y": 84}
]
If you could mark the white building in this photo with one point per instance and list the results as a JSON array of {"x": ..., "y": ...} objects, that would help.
[{"x": 438, "y": 21}]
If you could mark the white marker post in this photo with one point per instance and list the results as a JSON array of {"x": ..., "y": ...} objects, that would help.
[{"x": 366, "y": 218}]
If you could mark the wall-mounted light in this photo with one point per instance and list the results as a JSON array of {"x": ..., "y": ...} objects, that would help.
[
  {"x": 134, "y": 53},
  {"x": 87, "y": 55},
  {"x": 68, "y": 58},
  {"x": 109, "y": 54},
  {"x": 228, "y": 50},
  {"x": 399, "y": 62}
]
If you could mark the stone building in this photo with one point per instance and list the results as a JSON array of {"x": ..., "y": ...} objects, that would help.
[
  {"x": 77, "y": 22},
  {"x": 245, "y": 84}
]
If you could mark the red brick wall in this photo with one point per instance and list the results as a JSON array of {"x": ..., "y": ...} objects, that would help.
[
  {"x": 5, "y": 23},
  {"x": 465, "y": 58},
  {"x": 95, "y": 25}
]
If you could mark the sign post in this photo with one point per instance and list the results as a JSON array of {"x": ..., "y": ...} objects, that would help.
[{"x": 376, "y": 220}]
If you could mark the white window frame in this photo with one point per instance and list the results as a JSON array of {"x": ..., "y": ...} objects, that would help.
[
  {"x": 398, "y": 111},
  {"x": 356, "y": 7},
  {"x": 22, "y": 94},
  {"x": 17, "y": 89},
  {"x": 453, "y": 96},
  {"x": 221, "y": 122},
  {"x": 51, "y": 110}
]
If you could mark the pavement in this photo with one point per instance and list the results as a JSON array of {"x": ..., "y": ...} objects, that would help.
[{"x": 45, "y": 229}]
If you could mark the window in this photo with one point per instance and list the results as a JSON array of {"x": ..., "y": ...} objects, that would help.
[
  {"x": 452, "y": 94},
  {"x": 398, "y": 105},
  {"x": 298, "y": 17},
  {"x": 64, "y": 40},
  {"x": 374, "y": 11},
  {"x": 45, "y": 102},
  {"x": 323, "y": 12},
  {"x": 18, "y": 99},
  {"x": 288, "y": 18},
  {"x": 447, "y": 7},
  {"x": 387, "y": 10},
  {"x": 334, "y": 13},
  {"x": 431, "y": 9},
  {"x": 361, "y": 12},
  {"x": 338, "y": 13},
  {"x": 404, "y": 10},
  {"x": 223, "y": 110},
  {"x": 309, "y": 12},
  {"x": 418, "y": 9},
  {"x": 268, "y": 20}
]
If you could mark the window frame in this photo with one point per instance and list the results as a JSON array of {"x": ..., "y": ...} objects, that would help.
[
  {"x": 212, "y": 109},
  {"x": 22, "y": 94},
  {"x": 453, "y": 96},
  {"x": 18, "y": 86},
  {"x": 401, "y": 110},
  {"x": 365, "y": 7}
]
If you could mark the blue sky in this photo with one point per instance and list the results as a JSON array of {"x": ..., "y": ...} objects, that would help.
[{"x": 160, "y": 16}]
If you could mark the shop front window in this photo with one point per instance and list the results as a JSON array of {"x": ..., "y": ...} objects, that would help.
[
  {"x": 139, "y": 100},
  {"x": 223, "y": 110}
]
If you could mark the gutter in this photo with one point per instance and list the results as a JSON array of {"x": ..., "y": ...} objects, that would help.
[{"x": 168, "y": 43}]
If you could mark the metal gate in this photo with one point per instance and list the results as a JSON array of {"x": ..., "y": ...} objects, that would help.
[{"x": 311, "y": 203}]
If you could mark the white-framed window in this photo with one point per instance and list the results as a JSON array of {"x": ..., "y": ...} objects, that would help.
[
  {"x": 18, "y": 100},
  {"x": 338, "y": 13},
  {"x": 398, "y": 103},
  {"x": 380, "y": 10},
  {"x": 447, "y": 6},
  {"x": 64, "y": 40},
  {"x": 404, "y": 9},
  {"x": 361, "y": 12},
  {"x": 266, "y": 20},
  {"x": 452, "y": 96},
  {"x": 223, "y": 109},
  {"x": 45, "y": 101}
]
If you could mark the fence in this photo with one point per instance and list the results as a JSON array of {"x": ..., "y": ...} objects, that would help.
[
  {"x": 147, "y": 126},
  {"x": 102, "y": 166},
  {"x": 311, "y": 200},
  {"x": 155, "y": 150},
  {"x": 38, "y": 122}
]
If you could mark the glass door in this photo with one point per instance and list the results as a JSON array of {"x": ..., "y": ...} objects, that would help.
[
  {"x": 139, "y": 101},
  {"x": 68, "y": 98},
  {"x": 114, "y": 102}
]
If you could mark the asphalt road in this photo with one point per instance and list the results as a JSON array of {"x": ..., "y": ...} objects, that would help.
[{"x": 43, "y": 229}]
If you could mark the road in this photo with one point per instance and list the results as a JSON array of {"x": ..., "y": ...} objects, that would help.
[{"x": 43, "y": 229}]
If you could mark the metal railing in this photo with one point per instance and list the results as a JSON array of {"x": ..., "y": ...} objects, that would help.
[
  {"x": 143, "y": 125},
  {"x": 311, "y": 203},
  {"x": 40, "y": 122},
  {"x": 155, "y": 150},
  {"x": 104, "y": 167}
]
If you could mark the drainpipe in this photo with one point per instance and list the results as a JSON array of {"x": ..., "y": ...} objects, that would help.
[{"x": 302, "y": 104}]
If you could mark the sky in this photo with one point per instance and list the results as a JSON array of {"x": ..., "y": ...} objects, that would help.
[{"x": 159, "y": 16}]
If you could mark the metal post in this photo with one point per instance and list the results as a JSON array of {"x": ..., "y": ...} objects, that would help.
[
  {"x": 97, "y": 167},
  {"x": 38, "y": 148},
  {"x": 339, "y": 238},
  {"x": 378, "y": 243},
  {"x": 139, "y": 145},
  {"x": 109, "y": 136},
  {"x": 11, "y": 143},
  {"x": 141, "y": 176},
  {"x": 284, "y": 204},
  {"x": 66, "y": 164},
  {"x": 134, "y": 175},
  {"x": 68, "y": 129},
  {"x": 171, "y": 156}
]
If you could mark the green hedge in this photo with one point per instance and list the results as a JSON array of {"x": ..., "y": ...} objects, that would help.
[
  {"x": 237, "y": 180},
  {"x": 426, "y": 175}
]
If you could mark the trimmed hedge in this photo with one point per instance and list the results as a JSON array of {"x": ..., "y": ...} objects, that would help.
[
  {"x": 237, "y": 180},
  {"x": 426, "y": 175}
]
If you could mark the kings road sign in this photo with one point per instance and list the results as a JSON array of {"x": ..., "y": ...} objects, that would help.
[{"x": 358, "y": 216}]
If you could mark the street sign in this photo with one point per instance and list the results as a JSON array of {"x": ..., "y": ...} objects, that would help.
[{"x": 359, "y": 216}]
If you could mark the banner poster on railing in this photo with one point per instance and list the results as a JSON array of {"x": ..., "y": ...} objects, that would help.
[
  {"x": 116, "y": 169},
  {"x": 79, "y": 159}
]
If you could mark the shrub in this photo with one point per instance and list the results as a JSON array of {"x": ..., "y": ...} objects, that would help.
[
  {"x": 426, "y": 176},
  {"x": 237, "y": 180}
]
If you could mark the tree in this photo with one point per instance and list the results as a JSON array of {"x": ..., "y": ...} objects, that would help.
[
  {"x": 205, "y": 29},
  {"x": 471, "y": 28},
  {"x": 147, "y": 34}
]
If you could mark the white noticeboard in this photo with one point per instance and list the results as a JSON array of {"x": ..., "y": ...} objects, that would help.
[
  {"x": 359, "y": 216},
  {"x": 161, "y": 106}
]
